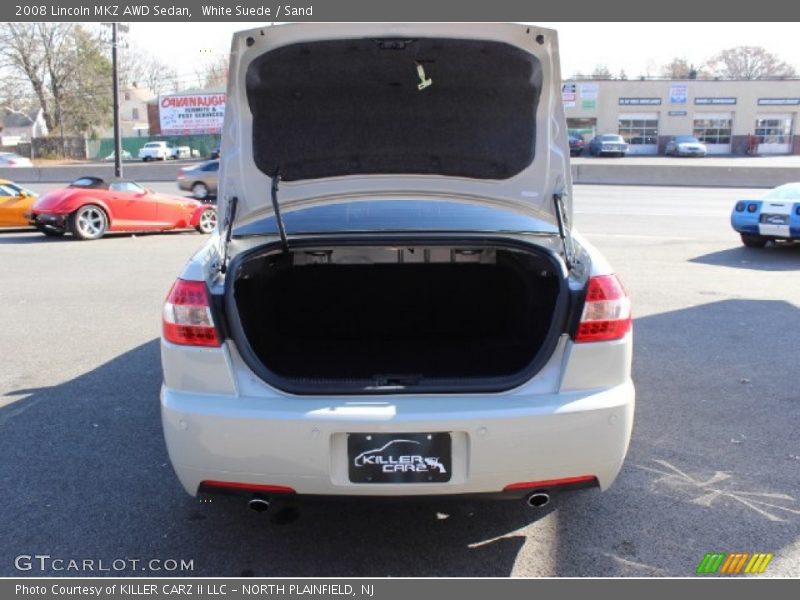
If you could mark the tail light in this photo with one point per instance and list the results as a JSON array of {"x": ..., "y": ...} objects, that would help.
[
  {"x": 11, "y": 162},
  {"x": 606, "y": 311},
  {"x": 187, "y": 316}
]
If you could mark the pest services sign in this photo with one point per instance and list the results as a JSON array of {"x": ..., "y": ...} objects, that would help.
[{"x": 191, "y": 113}]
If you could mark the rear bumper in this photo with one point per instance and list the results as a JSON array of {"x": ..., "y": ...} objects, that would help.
[{"x": 301, "y": 442}]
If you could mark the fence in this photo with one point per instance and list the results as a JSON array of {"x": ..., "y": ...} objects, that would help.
[
  {"x": 102, "y": 149},
  {"x": 50, "y": 147}
]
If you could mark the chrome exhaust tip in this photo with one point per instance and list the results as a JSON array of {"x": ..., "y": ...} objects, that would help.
[
  {"x": 538, "y": 499},
  {"x": 258, "y": 504}
]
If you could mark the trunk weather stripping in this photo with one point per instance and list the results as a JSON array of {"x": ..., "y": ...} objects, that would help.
[
  {"x": 277, "y": 209},
  {"x": 566, "y": 240},
  {"x": 227, "y": 226}
]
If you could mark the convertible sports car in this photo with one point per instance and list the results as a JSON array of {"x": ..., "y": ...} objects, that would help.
[
  {"x": 774, "y": 217},
  {"x": 89, "y": 207},
  {"x": 15, "y": 203}
]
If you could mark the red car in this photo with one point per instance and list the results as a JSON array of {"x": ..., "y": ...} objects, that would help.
[{"x": 89, "y": 207}]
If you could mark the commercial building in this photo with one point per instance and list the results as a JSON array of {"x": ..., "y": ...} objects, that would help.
[{"x": 730, "y": 117}]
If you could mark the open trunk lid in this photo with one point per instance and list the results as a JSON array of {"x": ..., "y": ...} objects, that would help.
[{"x": 342, "y": 112}]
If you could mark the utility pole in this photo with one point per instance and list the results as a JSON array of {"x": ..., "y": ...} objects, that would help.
[
  {"x": 115, "y": 28},
  {"x": 115, "y": 75}
]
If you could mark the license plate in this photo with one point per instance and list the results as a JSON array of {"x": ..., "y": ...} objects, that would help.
[
  {"x": 399, "y": 457},
  {"x": 775, "y": 219}
]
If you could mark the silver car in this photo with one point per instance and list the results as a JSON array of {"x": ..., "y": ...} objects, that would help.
[
  {"x": 396, "y": 302},
  {"x": 200, "y": 179}
]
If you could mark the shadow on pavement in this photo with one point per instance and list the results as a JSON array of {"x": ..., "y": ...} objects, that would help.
[
  {"x": 713, "y": 466},
  {"x": 774, "y": 257},
  {"x": 714, "y": 463},
  {"x": 85, "y": 474}
]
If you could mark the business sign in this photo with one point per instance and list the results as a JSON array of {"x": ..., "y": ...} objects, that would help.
[
  {"x": 639, "y": 101},
  {"x": 678, "y": 93},
  {"x": 191, "y": 113},
  {"x": 569, "y": 94},
  {"x": 715, "y": 101},
  {"x": 589, "y": 91},
  {"x": 778, "y": 101},
  {"x": 677, "y": 113}
]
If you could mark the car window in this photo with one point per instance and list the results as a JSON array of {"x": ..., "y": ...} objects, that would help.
[
  {"x": 686, "y": 139},
  {"x": 611, "y": 138},
  {"x": 7, "y": 190},
  {"x": 212, "y": 166},
  {"x": 152, "y": 145},
  {"x": 126, "y": 186}
]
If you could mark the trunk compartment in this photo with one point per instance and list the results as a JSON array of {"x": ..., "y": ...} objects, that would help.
[{"x": 365, "y": 319}]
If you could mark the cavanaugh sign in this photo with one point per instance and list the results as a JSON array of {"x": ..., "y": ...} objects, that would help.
[{"x": 191, "y": 113}]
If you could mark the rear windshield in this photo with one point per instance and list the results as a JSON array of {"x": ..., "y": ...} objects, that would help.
[
  {"x": 365, "y": 106},
  {"x": 611, "y": 138},
  {"x": 394, "y": 215}
]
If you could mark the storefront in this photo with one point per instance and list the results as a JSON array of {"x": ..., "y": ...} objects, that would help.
[{"x": 729, "y": 117}]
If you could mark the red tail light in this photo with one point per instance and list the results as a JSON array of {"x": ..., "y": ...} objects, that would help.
[
  {"x": 606, "y": 311},
  {"x": 11, "y": 163},
  {"x": 187, "y": 316}
]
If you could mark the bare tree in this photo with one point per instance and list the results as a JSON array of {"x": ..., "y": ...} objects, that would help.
[
  {"x": 602, "y": 72},
  {"x": 213, "y": 74},
  {"x": 680, "y": 68},
  {"x": 749, "y": 62},
  {"x": 138, "y": 68},
  {"x": 65, "y": 68}
]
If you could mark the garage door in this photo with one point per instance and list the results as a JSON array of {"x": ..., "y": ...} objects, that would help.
[
  {"x": 640, "y": 130},
  {"x": 714, "y": 130},
  {"x": 774, "y": 133}
]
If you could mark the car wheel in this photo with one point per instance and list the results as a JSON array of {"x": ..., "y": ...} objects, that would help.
[
  {"x": 145, "y": 159},
  {"x": 753, "y": 241},
  {"x": 200, "y": 190},
  {"x": 89, "y": 222},
  {"x": 208, "y": 221}
]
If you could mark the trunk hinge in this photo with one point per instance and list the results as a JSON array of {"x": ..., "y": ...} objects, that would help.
[
  {"x": 227, "y": 231},
  {"x": 566, "y": 238},
  {"x": 277, "y": 209}
]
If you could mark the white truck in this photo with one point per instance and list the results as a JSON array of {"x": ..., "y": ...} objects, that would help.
[{"x": 163, "y": 151}]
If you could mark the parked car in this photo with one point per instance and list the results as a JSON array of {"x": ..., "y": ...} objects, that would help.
[
  {"x": 214, "y": 153},
  {"x": 158, "y": 151},
  {"x": 9, "y": 159},
  {"x": 125, "y": 155},
  {"x": 408, "y": 309},
  {"x": 774, "y": 217},
  {"x": 685, "y": 145},
  {"x": 200, "y": 179},
  {"x": 90, "y": 207},
  {"x": 608, "y": 143},
  {"x": 576, "y": 145},
  {"x": 181, "y": 152},
  {"x": 15, "y": 204}
]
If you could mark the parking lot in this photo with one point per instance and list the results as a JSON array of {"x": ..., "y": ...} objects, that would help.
[{"x": 714, "y": 464}]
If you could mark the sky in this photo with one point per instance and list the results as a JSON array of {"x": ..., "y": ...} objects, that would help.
[{"x": 638, "y": 48}]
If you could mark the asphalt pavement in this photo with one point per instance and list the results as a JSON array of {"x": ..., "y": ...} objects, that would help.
[{"x": 714, "y": 463}]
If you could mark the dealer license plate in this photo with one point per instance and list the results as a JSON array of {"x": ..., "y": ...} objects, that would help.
[{"x": 399, "y": 457}]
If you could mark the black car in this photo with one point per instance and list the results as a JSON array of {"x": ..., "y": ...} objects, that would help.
[
  {"x": 576, "y": 145},
  {"x": 214, "y": 153}
]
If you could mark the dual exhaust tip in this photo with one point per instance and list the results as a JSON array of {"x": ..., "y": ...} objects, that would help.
[
  {"x": 538, "y": 499},
  {"x": 259, "y": 505},
  {"x": 534, "y": 500}
]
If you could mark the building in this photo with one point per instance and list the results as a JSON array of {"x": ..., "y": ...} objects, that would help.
[
  {"x": 724, "y": 114},
  {"x": 132, "y": 112},
  {"x": 19, "y": 127}
]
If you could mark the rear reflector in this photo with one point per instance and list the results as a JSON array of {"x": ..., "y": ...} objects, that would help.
[
  {"x": 253, "y": 487},
  {"x": 187, "y": 315},
  {"x": 606, "y": 311},
  {"x": 549, "y": 483}
]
